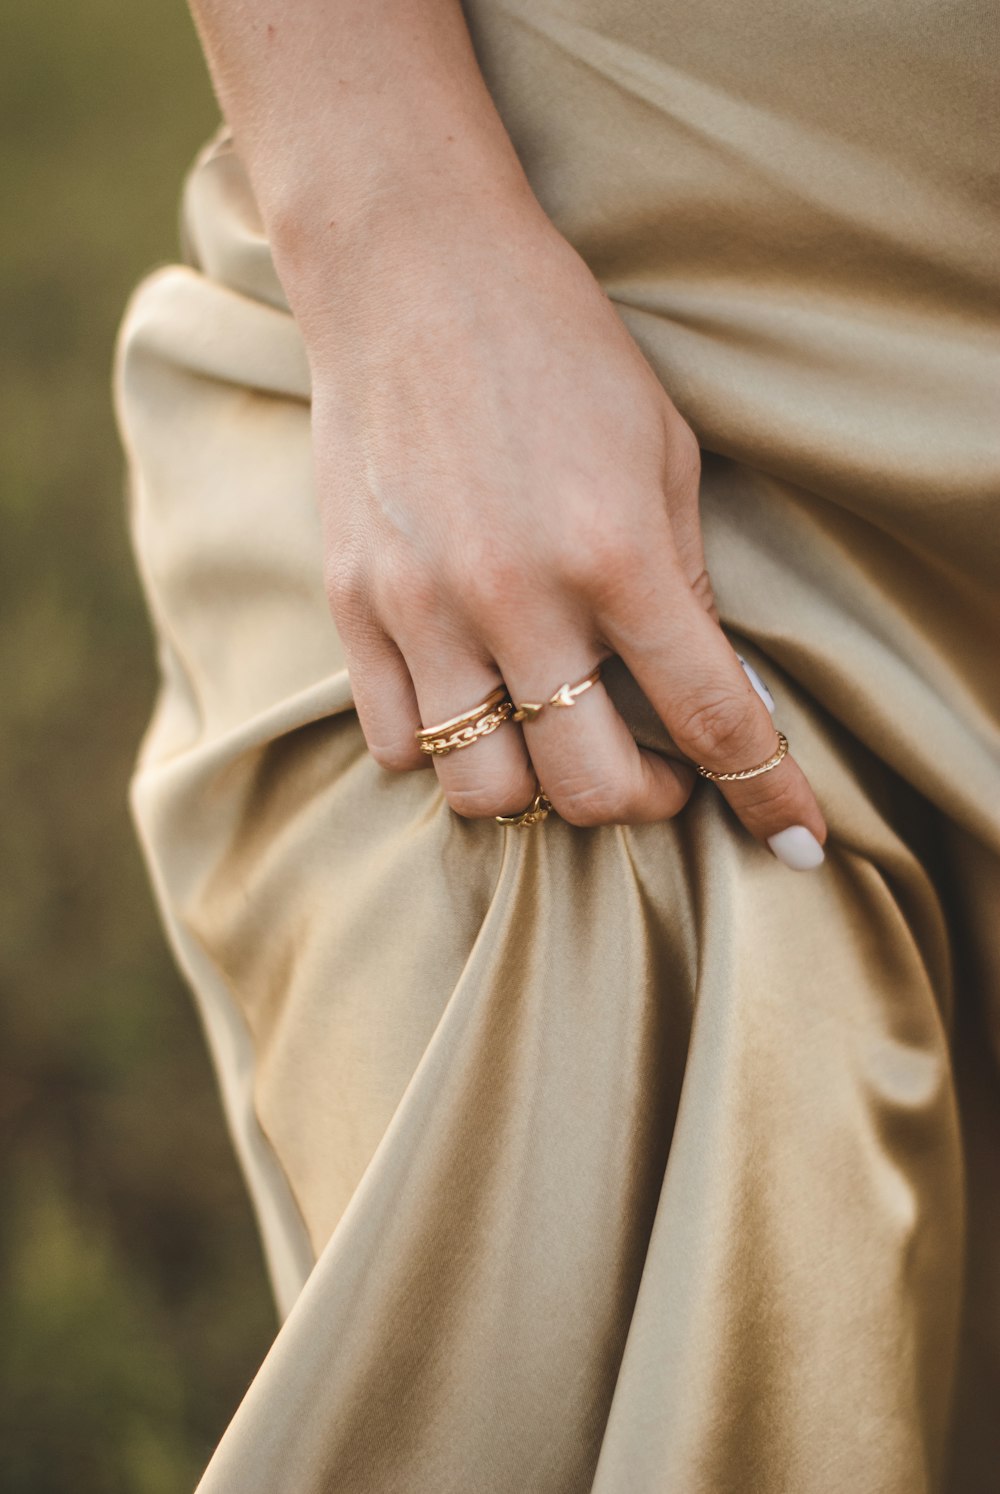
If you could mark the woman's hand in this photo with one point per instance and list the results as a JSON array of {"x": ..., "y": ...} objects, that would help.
[{"x": 508, "y": 495}]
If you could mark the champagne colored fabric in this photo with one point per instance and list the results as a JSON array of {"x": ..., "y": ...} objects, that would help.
[{"x": 621, "y": 1160}]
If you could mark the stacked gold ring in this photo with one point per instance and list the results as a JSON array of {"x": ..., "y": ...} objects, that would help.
[{"x": 468, "y": 728}]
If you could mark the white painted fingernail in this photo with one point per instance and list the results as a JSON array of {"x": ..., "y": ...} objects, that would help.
[
  {"x": 757, "y": 683},
  {"x": 797, "y": 847}
]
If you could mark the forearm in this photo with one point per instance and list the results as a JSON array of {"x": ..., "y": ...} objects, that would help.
[{"x": 351, "y": 115}]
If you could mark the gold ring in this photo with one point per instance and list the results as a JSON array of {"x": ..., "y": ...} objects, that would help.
[
  {"x": 765, "y": 767},
  {"x": 564, "y": 696},
  {"x": 535, "y": 812},
  {"x": 469, "y": 727}
]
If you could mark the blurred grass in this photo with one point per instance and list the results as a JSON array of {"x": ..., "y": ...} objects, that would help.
[{"x": 133, "y": 1298}]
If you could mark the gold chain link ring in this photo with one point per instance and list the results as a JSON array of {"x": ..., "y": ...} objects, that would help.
[{"x": 468, "y": 728}]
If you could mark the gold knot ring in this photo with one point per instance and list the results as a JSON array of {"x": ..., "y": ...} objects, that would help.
[
  {"x": 535, "y": 812},
  {"x": 470, "y": 727},
  {"x": 765, "y": 767},
  {"x": 564, "y": 696}
]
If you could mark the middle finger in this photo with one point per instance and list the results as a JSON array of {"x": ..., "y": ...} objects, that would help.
[{"x": 585, "y": 757}]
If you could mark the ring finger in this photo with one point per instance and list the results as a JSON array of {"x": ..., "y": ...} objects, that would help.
[{"x": 493, "y": 773}]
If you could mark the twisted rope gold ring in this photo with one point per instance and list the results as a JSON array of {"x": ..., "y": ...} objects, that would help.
[{"x": 764, "y": 767}]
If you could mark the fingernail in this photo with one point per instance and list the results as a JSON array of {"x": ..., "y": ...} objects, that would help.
[
  {"x": 757, "y": 683},
  {"x": 797, "y": 847}
]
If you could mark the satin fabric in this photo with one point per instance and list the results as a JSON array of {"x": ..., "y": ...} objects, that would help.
[{"x": 621, "y": 1159}]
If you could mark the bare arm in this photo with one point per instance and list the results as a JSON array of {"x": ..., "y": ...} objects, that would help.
[
  {"x": 507, "y": 492},
  {"x": 353, "y": 115}
]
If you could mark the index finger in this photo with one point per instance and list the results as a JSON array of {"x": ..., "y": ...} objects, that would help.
[{"x": 693, "y": 678}]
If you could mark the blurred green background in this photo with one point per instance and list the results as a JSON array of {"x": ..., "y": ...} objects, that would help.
[{"x": 135, "y": 1307}]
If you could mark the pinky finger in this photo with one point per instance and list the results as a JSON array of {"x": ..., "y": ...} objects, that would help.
[{"x": 385, "y": 701}]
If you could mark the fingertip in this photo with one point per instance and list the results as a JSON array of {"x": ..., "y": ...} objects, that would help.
[{"x": 797, "y": 847}]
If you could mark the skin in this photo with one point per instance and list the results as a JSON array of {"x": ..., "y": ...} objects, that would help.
[{"x": 507, "y": 492}]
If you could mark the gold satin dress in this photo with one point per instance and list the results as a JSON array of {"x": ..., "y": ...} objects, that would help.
[{"x": 622, "y": 1160}]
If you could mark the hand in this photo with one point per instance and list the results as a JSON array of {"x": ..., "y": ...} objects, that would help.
[{"x": 509, "y": 495}]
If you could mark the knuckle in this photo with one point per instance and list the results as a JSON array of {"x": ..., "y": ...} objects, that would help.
[
  {"x": 704, "y": 594},
  {"x": 399, "y": 756},
  {"x": 503, "y": 793},
  {"x": 684, "y": 454},
  {"x": 590, "y": 804},
  {"x": 714, "y": 729},
  {"x": 516, "y": 803},
  {"x": 408, "y": 589},
  {"x": 475, "y": 801},
  {"x": 489, "y": 585},
  {"x": 596, "y": 556},
  {"x": 774, "y": 796},
  {"x": 347, "y": 584}
]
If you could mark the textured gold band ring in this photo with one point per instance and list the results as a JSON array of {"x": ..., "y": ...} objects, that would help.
[
  {"x": 469, "y": 727},
  {"x": 564, "y": 696},
  {"x": 765, "y": 767},
  {"x": 535, "y": 812}
]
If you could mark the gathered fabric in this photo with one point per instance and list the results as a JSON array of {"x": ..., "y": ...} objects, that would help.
[{"x": 624, "y": 1159}]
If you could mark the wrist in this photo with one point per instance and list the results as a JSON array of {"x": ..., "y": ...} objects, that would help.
[
  {"x": 318, "y": 217},
  {"x": 339, "y": 248}
]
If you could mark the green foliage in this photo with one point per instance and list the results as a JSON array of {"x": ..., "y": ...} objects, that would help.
[{"x": 133, "y": 1296}]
